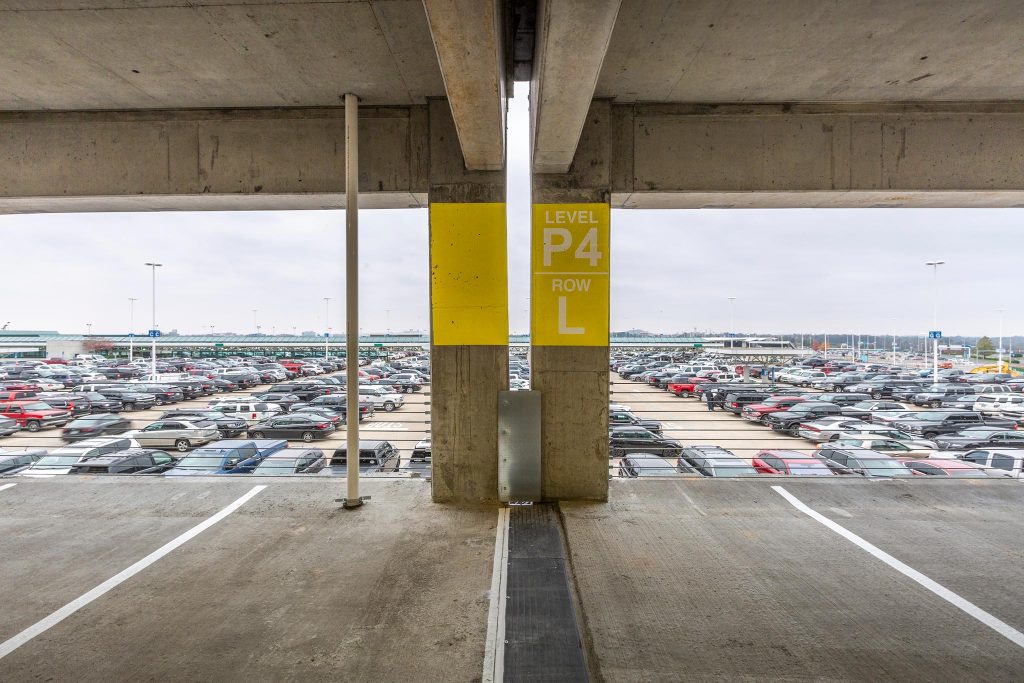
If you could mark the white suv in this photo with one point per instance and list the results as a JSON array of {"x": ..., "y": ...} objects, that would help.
[{"x": 380, "y": 397}]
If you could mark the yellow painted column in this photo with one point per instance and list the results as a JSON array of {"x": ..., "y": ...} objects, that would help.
[
  {"x": 469, "y": 347},
  {"x": 570, "y": 269}
]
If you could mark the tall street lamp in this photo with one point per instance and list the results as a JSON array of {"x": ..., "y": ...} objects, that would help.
[
  {"x": 1000, "y": 350},
  {"x": 732, "y": 314},
  {"x": 327, "y": 325},
  {"x": 152, "y": 331},
  {"x": 131, "y": 328},
  {"x": 255, "y": 320},
  {"x": 935, "y": 316}
]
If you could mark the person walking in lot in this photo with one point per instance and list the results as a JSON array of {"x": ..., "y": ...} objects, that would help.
[{"x": 710, "y": 401}]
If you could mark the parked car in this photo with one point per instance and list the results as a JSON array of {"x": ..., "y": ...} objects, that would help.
[
  {"x": 130, "y": 398},
  {"x": 33, "y": 415},
  {"x": 101, "y": 424},
  {"x": 61, "y": 460},
  {"x": 933, "y": 424},
  {"x": 793, "y": 463},
  {"x": 1009, "y": 461},
  {"x": 131, "y": 461},
  {"x": 649, "y": 465},
  {"x": 981, "y": 438},
  {"x": 892, "y": 447},
  {"x": 293, "y": 426},
  {"x": 758, "y": 412},
  {"x": 250, "y": 411},
  {"x": 14, "y": 460},
  {"x": 618, "y": 418},
  {"x": 421, "y": 451},
  {"x": 718, "y": 465},
  {"x": 374, "y": 457},
  {"x": 382, "y": 398},
  {"x": 292, "y": 461},
  {"x": 789, "y": 421},
  {"x": 228, "y": 456},
  {"x": 846, "y": 459},
  {"x": 285, "y": 400},
  {"x": 828, "y": 428},
  {"x": 993, "y": 404},
  {"x": 182, "y": 435},
  {"x": 8, "y": 426},
  {"x": 626, "y": 440},
  {"x": 939, "y": 395},
  {"x": 229, "y": 427},
  {"x": 947, "y": 468}
]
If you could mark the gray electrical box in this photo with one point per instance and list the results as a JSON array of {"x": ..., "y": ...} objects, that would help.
[{"x": 519, "y": 446}]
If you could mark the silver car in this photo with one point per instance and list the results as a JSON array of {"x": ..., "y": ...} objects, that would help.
[
  {"x": 829, "y": 428},
  {"x": 178, "y": 434}
]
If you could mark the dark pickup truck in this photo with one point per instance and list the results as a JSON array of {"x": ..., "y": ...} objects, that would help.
[
  {"x": 788, "y": 421},
  {"x": 623, "y": 418},
  {"x": 948, "y": 422}
]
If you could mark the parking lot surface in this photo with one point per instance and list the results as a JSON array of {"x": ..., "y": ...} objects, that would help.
[
  {"x": 287, "y": 587},
  {"x": 726, "y": 580}
]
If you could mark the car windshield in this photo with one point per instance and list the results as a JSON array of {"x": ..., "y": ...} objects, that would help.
[
  {"x": 885, "y": 468},
  {"x": 276, "y": 467},
  {"x": 198, "y": 460},
  {"x": 809, "y": 469},
  {"x": 57, "y": 461}
]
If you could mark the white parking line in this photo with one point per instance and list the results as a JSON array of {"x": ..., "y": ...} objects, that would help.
[
  {"x": 13, "y": 643},
  {"x": 6, "y": 486},
  {"x": 997, "y": 625},
  {"x": 494, "y": 645}
]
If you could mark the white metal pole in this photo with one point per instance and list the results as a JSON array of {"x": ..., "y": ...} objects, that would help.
[
  {"x": 153, "y": 267},
  {"x": 131, "y": 329},
  {"x": 1000, "y": 349},
  {"x": 327, "y": 325},
  {"x": 352, "y": 498}
]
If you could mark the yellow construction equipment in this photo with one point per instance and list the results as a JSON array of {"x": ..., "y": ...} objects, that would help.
[{"x": 995, "y": 367}]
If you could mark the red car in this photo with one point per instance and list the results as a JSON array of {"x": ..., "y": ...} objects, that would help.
[
  {"x": 33, "y": 415},
  {"x": 793, "y": 463},
  {"x": 687, "y": 388},
  {"x": 773, "y": 404}
]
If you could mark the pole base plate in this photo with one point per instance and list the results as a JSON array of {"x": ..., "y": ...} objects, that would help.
[{"x": 353, "y": 503}]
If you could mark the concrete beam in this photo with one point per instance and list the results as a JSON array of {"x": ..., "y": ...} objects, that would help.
[
  {"x": 468, "y": 37},
  {"x": 209, "y": 159},
  {"x": 766, "y": 156},
  {"x": 572, "y": 39}
]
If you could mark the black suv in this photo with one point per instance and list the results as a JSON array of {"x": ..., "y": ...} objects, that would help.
[
  {"x": 625, "y": 440},
  {"x": 931, "y": 425},
  {"x": 623, "y": 418},
  {"x": 789, "y": 420},
  {"x": 131, "y": 461}
]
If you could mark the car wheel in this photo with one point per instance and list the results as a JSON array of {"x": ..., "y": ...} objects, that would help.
[
  {"x": 307, "y": 436},
  {"x": 257, "y": 435},
  {"x": 936, "y": 404},
  {"x": 181, "y": 445},
  {"x": 930, "y": 435},
  {"x": 876, "y": 395},
  {"x": 794, "y": 430},
  {"x": 33, "y": 426},
  {"x": 389, "y": 406}
]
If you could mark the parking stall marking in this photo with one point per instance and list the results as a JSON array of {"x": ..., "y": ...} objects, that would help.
[
  {"x": 43, "y": 625},
  {"x": 996, "y": 624},
  {"x": 6, "y": 486}
]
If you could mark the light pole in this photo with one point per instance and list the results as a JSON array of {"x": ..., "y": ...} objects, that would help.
[
  {"x": 131, "y": 328},
  {"x": 154, "y": 266},
  {"x": 935, "y": 317},
  {"x": 1000, "y": 349},
  {"x": 88, "y": 329},
  {"x": 894, "y": 342},
  {"x": 327, "y": 325},
  {"x": 255, "y": 320},
  {"x": 732, "y": 316}
]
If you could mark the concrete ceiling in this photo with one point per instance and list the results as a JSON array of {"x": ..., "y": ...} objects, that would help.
[
  {"x": 814, "y": 51},
  {"x": 170, "y": 54}
]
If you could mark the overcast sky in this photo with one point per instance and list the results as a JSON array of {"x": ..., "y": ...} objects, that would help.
[{"x": 808, "y": 270}]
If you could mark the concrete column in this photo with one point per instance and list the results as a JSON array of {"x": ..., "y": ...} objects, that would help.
[
  {"x": 469, "y": 317},
  {"x": 571, "y": 370}
]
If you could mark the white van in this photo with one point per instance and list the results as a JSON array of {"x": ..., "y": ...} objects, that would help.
[
  {"x": 61, "y": 460},
  {"x": 248, "y": 411}
]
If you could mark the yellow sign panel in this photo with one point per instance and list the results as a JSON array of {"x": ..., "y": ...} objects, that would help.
[
  {"x": 468, "y": 274},
  {"x": 570, "y": 267}
]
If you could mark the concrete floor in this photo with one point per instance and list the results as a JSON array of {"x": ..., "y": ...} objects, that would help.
[
  {"x": 676, "y": 580},
  {"x": 287, "y": 588},
  {"x": 725, "y": 580}
]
